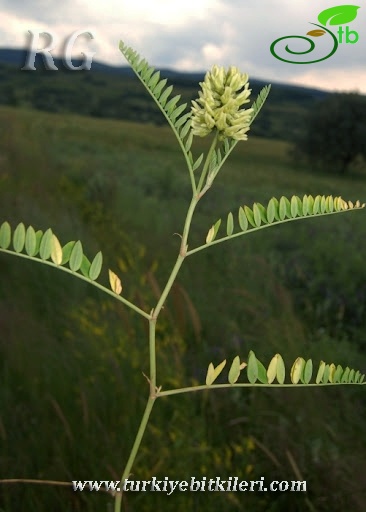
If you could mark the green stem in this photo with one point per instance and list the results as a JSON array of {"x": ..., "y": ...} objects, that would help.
[
  {"x": 147, "y": 412},
  {"x": 187, "y": 224},
  {"x": 152, "y": 351},
  {"x": 135, "y": 448},
  {"x": 204, "y": 387},
  {"x": 154, "y": 392},
  {"x": 207, "y": 164},
  {"x": 191, "y": 173},
  {"x": 168, "y": 286}
]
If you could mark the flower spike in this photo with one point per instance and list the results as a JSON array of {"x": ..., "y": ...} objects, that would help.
[{"x": 218, "y": 106}]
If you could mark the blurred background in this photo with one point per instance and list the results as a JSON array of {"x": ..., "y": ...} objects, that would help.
[{"x": 88, "y": 154}]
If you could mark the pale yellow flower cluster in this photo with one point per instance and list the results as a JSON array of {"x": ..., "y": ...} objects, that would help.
[{"x": 218, "y": 107}]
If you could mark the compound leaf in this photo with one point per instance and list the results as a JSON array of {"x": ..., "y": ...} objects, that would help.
[
  {"x": 160, "y": 93},
  {"x": 29, "y": 243},
  {"x": 283, "y": 211}
]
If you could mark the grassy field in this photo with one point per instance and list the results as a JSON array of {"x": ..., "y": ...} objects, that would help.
[{"x": 71, "y": 360}]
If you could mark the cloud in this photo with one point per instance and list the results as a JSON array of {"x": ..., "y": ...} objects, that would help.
[
  {"x": 192, "y": 35},
  {"x": 44, "y": 11}
]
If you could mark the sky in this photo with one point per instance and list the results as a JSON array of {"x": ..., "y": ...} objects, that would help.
[{"x": 193, "y": 35}]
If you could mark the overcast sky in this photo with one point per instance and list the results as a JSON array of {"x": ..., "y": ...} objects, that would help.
[{"x": 192, "y": 35}]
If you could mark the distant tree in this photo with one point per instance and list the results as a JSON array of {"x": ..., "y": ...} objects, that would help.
[{"x": 335, "y": 133}]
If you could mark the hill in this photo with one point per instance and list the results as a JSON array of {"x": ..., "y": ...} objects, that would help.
[{"x": 114, "y": 92}]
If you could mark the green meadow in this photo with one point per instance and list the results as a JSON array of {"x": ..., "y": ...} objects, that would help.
[{"x": 72, "y": 388}]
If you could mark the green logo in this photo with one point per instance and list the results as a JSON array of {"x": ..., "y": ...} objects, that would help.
[{"x": 339, "y": 15}]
